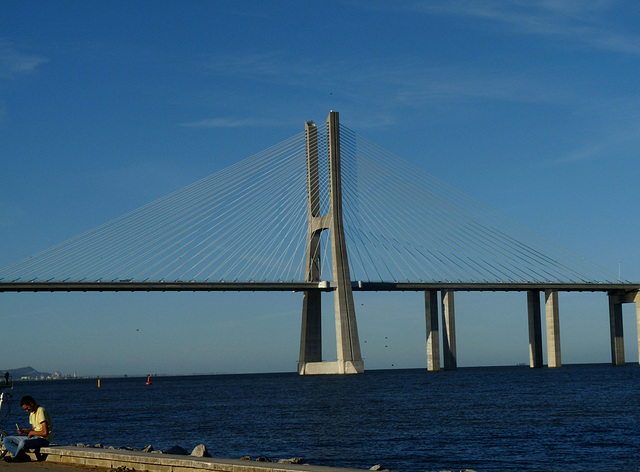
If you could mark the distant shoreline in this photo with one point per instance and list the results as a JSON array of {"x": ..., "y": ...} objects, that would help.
[{"x": 418, "y": 369}]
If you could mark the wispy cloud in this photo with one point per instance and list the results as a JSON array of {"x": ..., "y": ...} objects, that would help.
[
  {"x": 428, "y": 86},
  {"x": 616, "y": 132},
  {"x": 393, "y": 84},
  {"x": 232, "y": 123},
  {"x": 269, "y": 64},
  {"x": 380, "y": 88},
  {"x": 581, "y": 22},
  {"x": 13, "y": 62},
  {"x": 407, "y": 78}
]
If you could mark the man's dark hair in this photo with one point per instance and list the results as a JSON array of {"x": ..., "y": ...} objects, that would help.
[{"x": 26, "y": 400}]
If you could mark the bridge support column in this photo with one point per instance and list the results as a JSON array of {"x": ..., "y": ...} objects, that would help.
[
  {"x": 347, "y": 341},
  {"x": 553, "y": 328},
  {"x": 616, "y": 330},
  {"x": 535, "y": 329},
  {"x": 311, "y": 331},
  {"x": 636, "y": 300},
  {"x": 433, "y": 333},
  {"x": 448, "y": 331}
]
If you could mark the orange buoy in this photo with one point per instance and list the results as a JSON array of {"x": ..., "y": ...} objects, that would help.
[{"x": 149, "y": 379}]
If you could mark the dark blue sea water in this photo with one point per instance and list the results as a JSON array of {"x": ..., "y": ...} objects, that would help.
[{"x": 576, "y": 418}]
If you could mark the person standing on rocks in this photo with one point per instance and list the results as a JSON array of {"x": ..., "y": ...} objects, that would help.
[{"x": 38, "y": 436}]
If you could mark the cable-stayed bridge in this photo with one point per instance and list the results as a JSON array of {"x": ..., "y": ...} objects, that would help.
[{"x": 328, "y": 210}]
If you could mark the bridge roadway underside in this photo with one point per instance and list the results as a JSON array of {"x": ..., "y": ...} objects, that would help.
[
  {"x": 129, "y": 286},
  {"x": 618, "y": 293}
]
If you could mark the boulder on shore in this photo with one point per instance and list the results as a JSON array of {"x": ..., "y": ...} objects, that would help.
[
  {"x": 293, "y": 460},
  {"x": 200, "y": 451},
  {"x": 181, "y": 451}
]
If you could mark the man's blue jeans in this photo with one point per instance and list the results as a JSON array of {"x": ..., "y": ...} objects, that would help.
[{"x": 16, "y": 444}]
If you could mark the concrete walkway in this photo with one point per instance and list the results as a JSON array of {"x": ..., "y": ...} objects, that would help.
[
  {"x": 69, "y": 459},
  {"x": 45, "y": 466}
]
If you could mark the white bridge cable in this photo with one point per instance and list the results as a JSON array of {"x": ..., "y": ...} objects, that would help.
[
  {"x": 452, "y": 222},
  {"x": 141, "y": 217},
  {"x": 457, "y": 248},
  {"x": 270, "y": 231},
  {"x": 244, "y": 220},
  {"x": 397, "y": 237},
  {"x": 393, "y": 249},
  {"x": 462, "y": 246},
  {"x": 408, "y": 246},
  {"x": 153, "y": 228},
  {"x": 249, "y": 222},
  {"x": 456, "y": 258},
  {"x": 376, "y": 229},
  {"x": 147, "y": 241},
  {"x": 189, "y": 235},
  {"x": 243, "y": 208},
  {"x": 219, "y": 219}
]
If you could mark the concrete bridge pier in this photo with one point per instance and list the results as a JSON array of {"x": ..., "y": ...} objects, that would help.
[
  {"x": 535, "y": 329},
  {"x": 616, "y": 299},
  {"x": 553, "y": 328},
  {"x": 433, "y": 332},
  {"x": 449, "y": 354},
  {"x": 311, "y": 332},
  {"x": 616, "y": 330},
  {"x": 449, "y": 331},
  {"x": 347, "y": 339},
  {"x": 349, "y": 358},
  {"x": 636, "y": 300}
]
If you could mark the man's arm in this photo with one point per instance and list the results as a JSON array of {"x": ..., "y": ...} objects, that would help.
[{"x": 43, "y": 432}]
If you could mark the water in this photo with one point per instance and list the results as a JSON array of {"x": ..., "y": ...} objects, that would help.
[{"x": 576, "y": 418}]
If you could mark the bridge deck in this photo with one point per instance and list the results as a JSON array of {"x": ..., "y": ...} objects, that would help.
[{"x": 126, "y": 286}]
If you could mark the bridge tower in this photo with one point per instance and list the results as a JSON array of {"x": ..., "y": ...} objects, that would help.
[{"x": 347, "y": 341}]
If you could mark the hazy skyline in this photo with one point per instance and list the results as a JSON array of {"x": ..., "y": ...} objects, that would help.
[{"x": 529, "y": 107}]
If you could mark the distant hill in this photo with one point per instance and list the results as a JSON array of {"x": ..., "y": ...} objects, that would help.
[{"x": 28, "y": 372}]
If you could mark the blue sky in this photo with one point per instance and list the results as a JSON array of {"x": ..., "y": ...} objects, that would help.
[{"x": 531, "y": 107}]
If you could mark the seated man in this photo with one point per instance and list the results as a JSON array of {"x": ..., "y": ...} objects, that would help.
[{"x": 38, "y": 436}]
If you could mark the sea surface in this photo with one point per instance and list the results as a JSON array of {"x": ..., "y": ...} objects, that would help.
[{"x": 575, "y": 418}]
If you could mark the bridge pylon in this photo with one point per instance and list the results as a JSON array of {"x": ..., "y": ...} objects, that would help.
[{"x": 349, "y": 358}]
